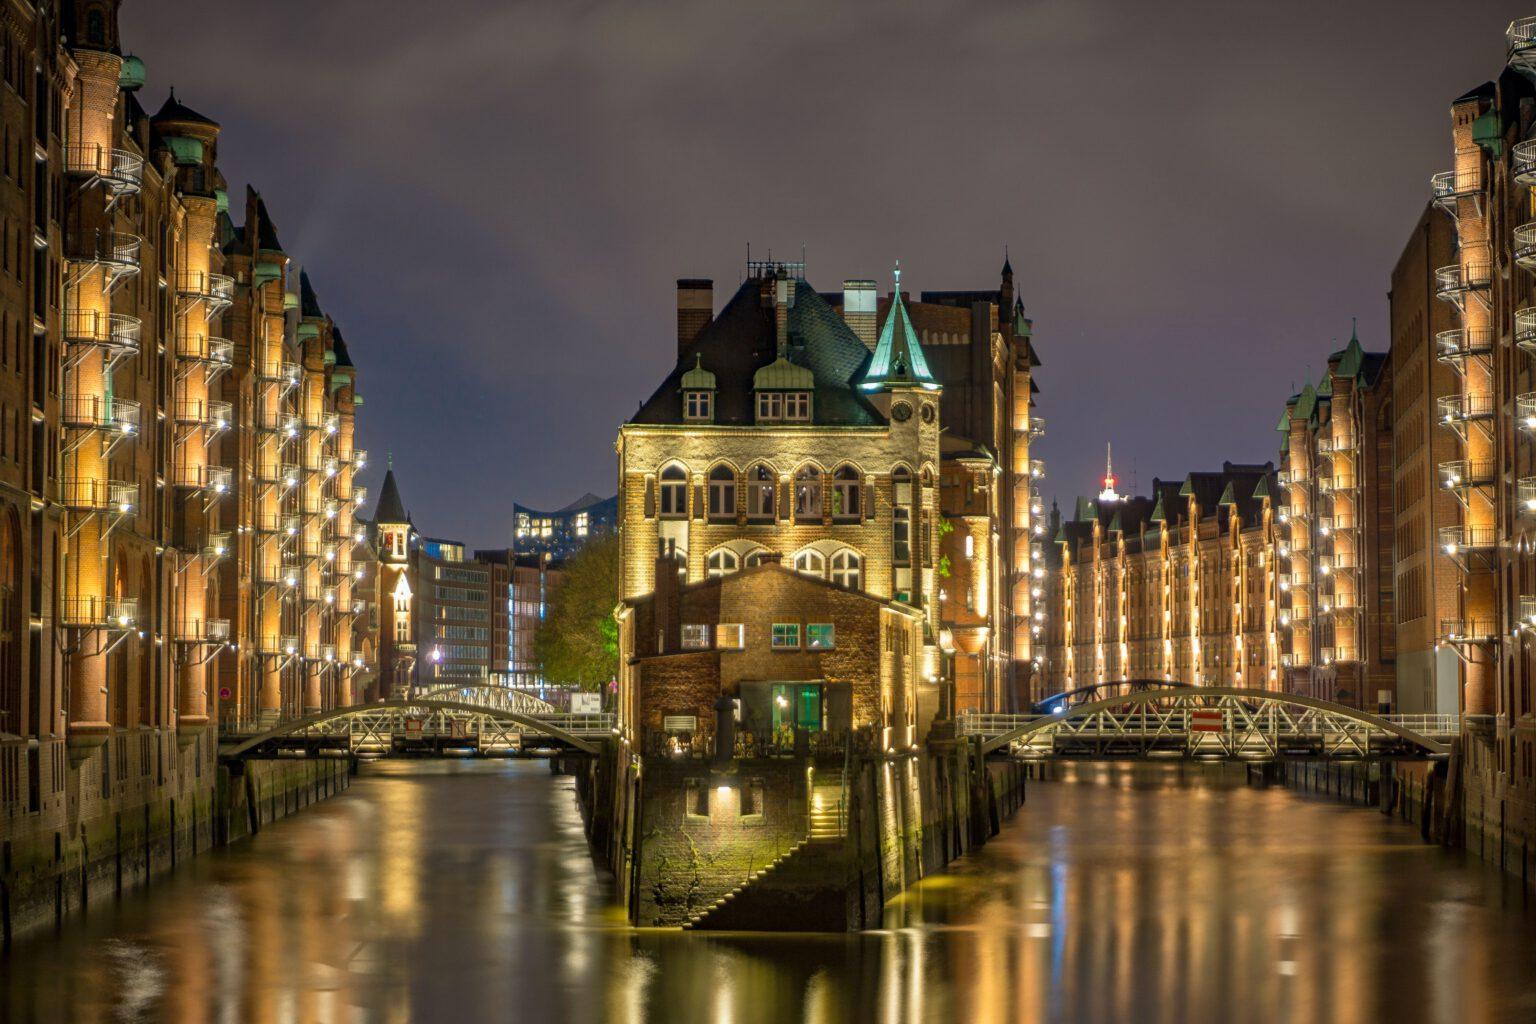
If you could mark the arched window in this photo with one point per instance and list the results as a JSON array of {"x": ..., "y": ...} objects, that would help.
[
  {"x": 760, "y": 487},
  {"x": 722, "y": 493},
  {"x": 811, "y": 563},
  {"x": 808, "y": 493},
  {"x": 848, "y": 569},
  {"x": 722, "y": 562},
  {"x": 847, "y": 494},
  {"x": 674, "y": 492},
  {"x": 757, "y": 557}
]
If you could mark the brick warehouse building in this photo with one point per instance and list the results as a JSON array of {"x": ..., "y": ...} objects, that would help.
[{"x": 176, "y": 418}]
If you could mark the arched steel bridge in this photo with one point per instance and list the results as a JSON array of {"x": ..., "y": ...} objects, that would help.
[
  {"x": 1215, "y": 722},
  {"x": 1048, "y": 705},
  {"x": 482, "y": 717}
]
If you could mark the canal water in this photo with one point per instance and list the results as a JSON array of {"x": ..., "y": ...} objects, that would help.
[{"x": 462, "y": 891}]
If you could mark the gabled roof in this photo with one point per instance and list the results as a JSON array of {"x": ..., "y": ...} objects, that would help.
[
  {"x": 743, "y": 339},
  {"x": 266, "y": 231},
  {"x": 309, "y": 304},
  {"x": 898, "y": 357}
]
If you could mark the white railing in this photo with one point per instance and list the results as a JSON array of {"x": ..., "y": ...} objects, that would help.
[
  {"x": 93, "y": 494},
  {"x": 1520, "y": 38},
  {"x": 121, "y": 171},
  {"x": 101, "y": 412},
  {"x": 1463, "y": 342},
  {"x": 1455, "y": 184},
  {"x": 110, "y": 330},
  {"x": 202, "y": 284}
]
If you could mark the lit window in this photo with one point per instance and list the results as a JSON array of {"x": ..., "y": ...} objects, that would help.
[
  {"x": 730, "y": 636},
  {"x": 808, "y": 493},
  {"x": 695, "y": 637},
  {"x": 811, "y": 563},
  {"x": 820, "y": 636},
  {"x": 757, "y": 558},
  {"x": 970, "y": 546},
  {"x": 697, "y": 405},
  {"x": 722, "y": 493},
  {"x": 674, "y": 492},
  {"x": 786, "y": 636},
  {"x": 759, "y": 484},
  {"x": 847, "y": 569},
  {"x": 722, "y": 562},
  {"x": 846, "y": 494},
  {"x": 901, "y": 536}
]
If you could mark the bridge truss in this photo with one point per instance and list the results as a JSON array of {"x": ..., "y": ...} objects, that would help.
[
  {"x": 484, "y": 723},
  {"x": 1217, "y": 723}
]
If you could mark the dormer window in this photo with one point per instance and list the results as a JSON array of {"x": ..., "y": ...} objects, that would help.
[
  {"x": 783, "y": 407},
  {"x": 698, "y": 406}
]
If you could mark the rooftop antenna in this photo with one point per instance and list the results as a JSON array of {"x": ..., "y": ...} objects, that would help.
[{"x": 389, "y": 459}]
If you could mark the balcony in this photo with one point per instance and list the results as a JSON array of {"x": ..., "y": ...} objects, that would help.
[
  {"x": 1526, "y": 612},
  {"x": 214, "y": 292},
  {"x": 285, "y": 373},
  {"x": 203, "y": 631},
  {"x": 1455, "y": 347},
  {"x": 331, "y": 424},
  {"x": 1463, "y": 543},
  {"x": 278, "y": 646},
  {"x": 210, "y": 415},
  {"x": 1036, "y": 427},
  {"x": 1520, "y": 39},
  {"x": 278, "y": 573},
  {"x": 101, "y": 412},
  {"x": 1525, "y": 411},
  {"x": 1329, "y": 525},
  {"x": 213, "y": 479},
  {"x": 1525, "y": 496},
  {"x": 1336, "y": 483},
  {"x": 118, "y": 335},
  {"x": 360, "y": 458},
  {"x": 1449, "y": 186},
  {"x": 216, "y": 548},
  {"x": 284, "y": 475},
  {"x": 118, "y": 171},
  {"x": 277, "y": 524},
  {"x": 1467, "y": 631},
  {"x": 1453, "y": 283},
  {"x": 217, "y": 353},
  {"x": 118, "y": 613},
  {"x": 115, "y": 253},
  {"x": 1461, "y": 473},
  {"x": 1456, "y": 410},
  {"x": 1524, "y": 246},
  {"x": 90, "y": 494}
]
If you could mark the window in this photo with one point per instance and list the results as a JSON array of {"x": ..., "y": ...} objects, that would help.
[
  {"x": 722, "y": 493},
  {"x": 970, "y": 546},
  {"x": 695, "y": 637},
  {"x": 797, "y": 407},
  {"x": 820, "y": 636},
  {"x": 756, "y": 558},
  {"x": 847, "y": 493},
  {"x": 847, "y": 569},
  {"x": 674, "y": 492},
  {"x": 786, "y": 636},
  {"x": 698, "y": 405},
  {"x": 811, "y": 563},
  {"x": 901, "y": 536},
  {"x": 730, "y": 636},
  {"x": 808, "y": 493},
  {"x": 770, "y": 406},
  {"x": 722, "y": 562},
  {"x": 760, "y": 488}
]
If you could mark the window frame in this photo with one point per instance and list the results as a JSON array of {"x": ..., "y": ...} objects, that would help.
[
  {"x": 698, "y": 406},
  {"x": 830, "y": 644},
  {"x": 694, "y": 636},
  {"x": 791, "y": 631},
  {"x": 672, "y": 490},
  {"x": 852, "y": 575},
  {"x": 720, "y": 490},
  {"x": 731, "y": 636}
]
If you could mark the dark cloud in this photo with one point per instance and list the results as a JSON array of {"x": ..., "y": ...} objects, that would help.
[{"x": 493, "y": 198}]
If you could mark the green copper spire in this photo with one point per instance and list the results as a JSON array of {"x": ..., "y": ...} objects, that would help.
[{"x": 898, "y": 357}]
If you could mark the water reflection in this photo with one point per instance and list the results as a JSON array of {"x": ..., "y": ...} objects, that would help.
[{"x": 436, "y": 891}]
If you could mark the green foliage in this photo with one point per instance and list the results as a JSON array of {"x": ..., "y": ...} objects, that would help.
[
  {"x": 945, "y": 569},
  {"x": 945, "y": 528},
  {"x": 578, "y": 641}
]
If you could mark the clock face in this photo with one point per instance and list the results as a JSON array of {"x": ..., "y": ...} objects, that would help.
[
  {"x": 901, "y": 412},
  {"x": 928, "y": 413}
]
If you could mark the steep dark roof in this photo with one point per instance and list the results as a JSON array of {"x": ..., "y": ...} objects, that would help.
[
  {"x": 266, "y": 231},
  {"x": 175, "y": 110},
  {"x": 339, "y": 348},
  {"x": 309, "y": 305},
  {"x": 390, "y": 508},
  {"x": 743, "y": 339}
]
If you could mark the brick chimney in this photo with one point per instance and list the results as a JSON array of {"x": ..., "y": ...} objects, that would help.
[
  {"x": 859, "y": 310},
  {"x": 695, "y": 309}
]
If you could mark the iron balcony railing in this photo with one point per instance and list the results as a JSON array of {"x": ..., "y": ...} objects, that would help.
[
  {"x": 214, "y": 479},
  {"x": 1456, "y": 280},
  {"x": 1328, "y": 525},
  {"x": 203, "y": 630},
  {"x": 1448, "y": 186},
  {"x": 278, "y": 572},
  {"x": 204, "y": 348},
  {"x": 92, "y": 494},
  {"x": 1520, "y": 38},
  {"x": 120, "y": 171},
  {"x": 277, "y": 523},
  {"x": 286, "y": 373},
  {"x": 281, "y": 645},
  {"x": 1525, "y": 328},
  {"x": 201, "y": 284},
  {"x": 1525, "y": 495},
  {"x": 101, "y": 412},
  {"x": 1036, "y": 468},
  {"x": 116, "y": 331},
  {"x": 1459, "y": 408},
  {"x": 1457, "y": 345},
  {"x": 1459, "y": 538},
  {"x": 99, "y": 612},
  {"x": 1525, "y": 611},
  {"x": 217, "y": 547},
  {"x": 1336, "y": 482},
  {"x": 1467, "y": 631},
  {"x": 1036, "y": 426},
  {"x": 1525, "y": 410},
  {"x": 212, "y": 415},
  {"x": 1523, "y": 245},
  {"x": 117, "y": 250},
  {"x": 360, "y": 458},
  {"x": 331, "y": 424},
  {"x": 1466, "y": 473}
]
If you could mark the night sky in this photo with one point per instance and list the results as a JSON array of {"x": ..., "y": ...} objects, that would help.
[{"x": 494, "y": 198}]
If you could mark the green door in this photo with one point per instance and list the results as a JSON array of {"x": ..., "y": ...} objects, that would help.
[{"x": 797, "y": 705}]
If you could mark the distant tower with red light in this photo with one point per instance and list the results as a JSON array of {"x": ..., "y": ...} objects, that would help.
[{"x": 1109, "y": 495}]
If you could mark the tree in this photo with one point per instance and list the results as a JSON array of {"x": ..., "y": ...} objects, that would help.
[{"x": 578, "y": 641}]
